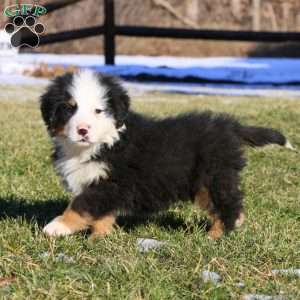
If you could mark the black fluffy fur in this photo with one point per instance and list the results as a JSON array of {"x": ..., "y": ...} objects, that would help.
[{"x": 157, "y": 162}]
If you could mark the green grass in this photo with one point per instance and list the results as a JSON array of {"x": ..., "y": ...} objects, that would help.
[{"x": 112, "y": 268}]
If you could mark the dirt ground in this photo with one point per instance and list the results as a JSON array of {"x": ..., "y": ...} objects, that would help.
[{"x": 273, "y": 15}]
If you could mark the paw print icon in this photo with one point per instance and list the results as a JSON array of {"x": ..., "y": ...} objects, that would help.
[{"x": 24, "y": 31}]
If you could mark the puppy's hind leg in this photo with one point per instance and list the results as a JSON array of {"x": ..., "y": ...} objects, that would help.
[
  {"x": 103, "y": 226},
  {"x": 227, "y": 201},
  {"x": 204, "y": 201}
]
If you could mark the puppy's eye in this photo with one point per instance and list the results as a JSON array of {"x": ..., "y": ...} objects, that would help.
[{"x": 98, "y": 111}]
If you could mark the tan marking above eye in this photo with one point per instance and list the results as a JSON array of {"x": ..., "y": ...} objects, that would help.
[
  {"x": 72, "y": 102},
  {"x": 59, "y": 131}
]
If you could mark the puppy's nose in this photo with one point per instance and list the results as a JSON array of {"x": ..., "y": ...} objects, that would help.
[{"x": 83, "y": 129}]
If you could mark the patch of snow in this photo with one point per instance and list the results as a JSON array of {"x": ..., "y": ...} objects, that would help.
[
  {"x": 245, "y": 76},
  {"x": 229, "y": 69},
  {"x": 18, "y": 79},
  {"x": 6, "y": 49}
]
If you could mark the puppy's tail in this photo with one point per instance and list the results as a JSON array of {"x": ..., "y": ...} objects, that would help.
[{"x": 261, "y": 136}]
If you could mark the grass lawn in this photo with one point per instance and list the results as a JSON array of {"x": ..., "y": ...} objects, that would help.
[{"x": 113, "y": 268}]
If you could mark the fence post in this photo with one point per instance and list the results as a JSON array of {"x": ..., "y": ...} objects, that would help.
[{"x": 109, "y": 32}]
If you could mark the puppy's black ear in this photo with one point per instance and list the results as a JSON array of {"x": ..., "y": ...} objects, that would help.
[
  {"x": 121, "y": 107},
  {"x": 57, "y": 92},
  {"x": 118, "y": 99}
]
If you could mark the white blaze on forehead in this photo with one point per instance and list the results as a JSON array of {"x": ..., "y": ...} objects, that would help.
[
  {"x": 90, "y": 94},
  {"x": 87, "y": 91}
]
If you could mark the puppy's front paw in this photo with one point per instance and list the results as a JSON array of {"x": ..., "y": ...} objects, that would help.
[{"x": 57, "y": 228}]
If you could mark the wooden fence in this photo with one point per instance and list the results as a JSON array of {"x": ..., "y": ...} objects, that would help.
[{"x": 110, "y": 30}]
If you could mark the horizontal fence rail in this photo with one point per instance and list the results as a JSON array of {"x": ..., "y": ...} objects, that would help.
[
  {"x": 207, "y": 34},
  {"x": 55, "y": 5},
  {"x": 65, "y": 36},
  {"x": 160, "y": 32}
]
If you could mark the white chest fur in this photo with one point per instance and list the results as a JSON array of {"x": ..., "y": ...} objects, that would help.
[{"x": 77, "y": 174}]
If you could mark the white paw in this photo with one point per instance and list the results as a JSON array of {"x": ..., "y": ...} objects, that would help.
[
  {"x": 56, "y": 228},
  {"x": 240, "y": 221}
]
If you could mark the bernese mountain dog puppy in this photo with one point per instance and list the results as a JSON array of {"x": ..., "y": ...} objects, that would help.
[{"x": 118, "y": 162}]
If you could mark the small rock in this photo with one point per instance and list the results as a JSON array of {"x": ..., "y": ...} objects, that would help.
[
  {"x": 61, "y": 257},
  {"x": 213, "y": 277},
  {"x": 261, "y": 297},
  {"x": 44, "y": 255},
  {"x": 240, "y": 285},
  {"x": 286, "y": 272},
  {"x": 145, "y": 245}
]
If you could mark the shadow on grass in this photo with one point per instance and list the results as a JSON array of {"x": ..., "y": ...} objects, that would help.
[
  {"x": 167, "y": 220},
  {"x": 39, "y": 211},
  {"x": 45, "y": 210}
]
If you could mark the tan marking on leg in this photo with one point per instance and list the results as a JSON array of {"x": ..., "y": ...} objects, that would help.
[
  {"x": 103, "y": 226},
  {"x": 240, "y": 220},
  {"x": 68, "y": 223},
  {"x": 202, "y": 199},
  {"x": 217, "y": 229},
  {"x": 74, "y": 221}
]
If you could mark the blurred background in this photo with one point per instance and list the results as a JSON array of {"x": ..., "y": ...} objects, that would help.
[
  {"x": 257, "y": 15},
  {"x": 263, "y": 62}
]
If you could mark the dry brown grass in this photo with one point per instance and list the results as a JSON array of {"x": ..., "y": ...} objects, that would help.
[{"x": 46, "y": 71}]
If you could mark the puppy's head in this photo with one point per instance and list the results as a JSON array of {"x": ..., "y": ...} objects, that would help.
[{"x": 85, "y": 108}]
